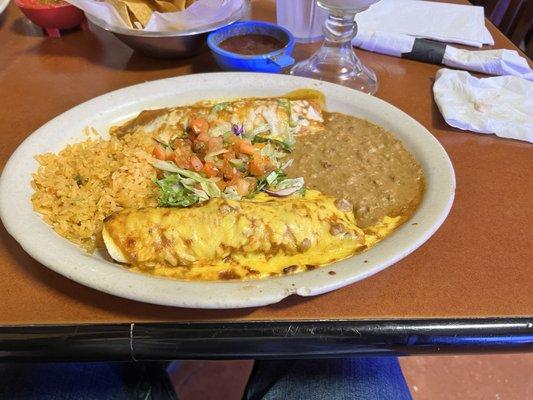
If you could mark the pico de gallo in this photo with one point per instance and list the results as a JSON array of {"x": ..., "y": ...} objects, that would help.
[{"x": 198, "y": 166}]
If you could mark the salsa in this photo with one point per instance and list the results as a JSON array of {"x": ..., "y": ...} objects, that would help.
[{"x": 251, "y": 44}]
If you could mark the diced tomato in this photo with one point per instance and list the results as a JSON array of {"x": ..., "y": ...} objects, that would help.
[
  {"x": 238, "y": 175},
  {"x": 203, "y": 137},
  {"x": 245, "y": 147},
  {"x": 162, "y": 153},
  {"x": 182, "y": 163},
  {"x": 182, "y": 157},
  {"x": 180, "y": 142},
  {"x": 159, "y": 152},
  {"x": 196, "y": 163},
  {"x": 229, "y": 155},
  {"x": 257, "y": 165},
  {"x": 215, "y": 144},
  {"x": 228, "y": 170},
  {"x": 169, "y": 154},
  {"x": 210, "y": 170},
  {"x": 199, "y": 125}
]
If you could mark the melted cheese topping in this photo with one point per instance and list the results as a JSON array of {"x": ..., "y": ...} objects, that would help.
[{"x": 226, "y": 239}]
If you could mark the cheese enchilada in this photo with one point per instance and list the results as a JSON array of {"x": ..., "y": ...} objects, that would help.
[{"x": 222, "y": 238}]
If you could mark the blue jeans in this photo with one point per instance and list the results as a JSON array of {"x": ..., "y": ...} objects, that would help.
[
  {"x": 376, "y": 378},
  {"x": 331, "y": 379},
  {"x": 85, "y": 381}
]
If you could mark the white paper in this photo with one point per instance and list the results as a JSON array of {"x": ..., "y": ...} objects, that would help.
[
  {"x": 500, "y": 105},
  {"x": 450, "y": 23},
  {"x": 391, "y": 44},
  {"x": 100, "y": 10},
  {"x": 201, "y": 13},
  {"x": 491, "y": 62}
]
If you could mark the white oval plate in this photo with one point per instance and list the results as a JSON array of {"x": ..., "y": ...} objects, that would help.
[{"x": 58, "y": 254}]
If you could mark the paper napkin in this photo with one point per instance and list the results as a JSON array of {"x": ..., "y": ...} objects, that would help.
[
  {"x": 445, "y": 22},
  {"x": 492, "y": 62},
  {"x": 201, "y": 13},
  {"x": 500, "y": 105}
]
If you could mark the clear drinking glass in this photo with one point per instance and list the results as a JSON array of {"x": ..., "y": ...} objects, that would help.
[
  {"x": 303, "y": 18},
  {"x": 336, "y": 61}
]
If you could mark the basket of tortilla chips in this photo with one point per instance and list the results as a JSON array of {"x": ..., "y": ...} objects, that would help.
[{"x": 163, "y": 28}]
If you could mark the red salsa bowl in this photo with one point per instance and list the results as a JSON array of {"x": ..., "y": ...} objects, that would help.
[{"x": 51, "y": 14}]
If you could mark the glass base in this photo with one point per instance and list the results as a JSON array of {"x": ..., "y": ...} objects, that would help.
[{"x": 354, "y": 75}]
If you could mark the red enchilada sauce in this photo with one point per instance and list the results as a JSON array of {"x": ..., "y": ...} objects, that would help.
[{"x": 251, "y": 44}]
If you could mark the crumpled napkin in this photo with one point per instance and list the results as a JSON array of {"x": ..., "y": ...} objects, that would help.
[
  {"x": 201, "y": 13},
  {"x": 501, "y": 105},
  {"x": 451, "y": 23},
  {"x": 492, "y": 62}
]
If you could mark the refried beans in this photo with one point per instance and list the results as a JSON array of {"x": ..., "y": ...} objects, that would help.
[{"x": 359, "y": 161}]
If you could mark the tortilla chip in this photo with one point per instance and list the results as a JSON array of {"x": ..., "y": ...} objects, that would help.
[
  {"x": 141, "y": 10},
  {"x": 122, "y": 11},
  {"x": 188, "y": 3},
  {"x": 166, "y": 6},
  {"x": 180, "y": 4}
]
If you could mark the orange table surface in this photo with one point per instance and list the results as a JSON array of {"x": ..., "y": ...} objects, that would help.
[{"x": 479, "y": 264}]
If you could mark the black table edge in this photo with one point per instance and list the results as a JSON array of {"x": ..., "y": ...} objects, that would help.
[{"x": 263, "y": 339}]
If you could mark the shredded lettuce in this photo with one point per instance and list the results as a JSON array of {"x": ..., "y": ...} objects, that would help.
[
  {"x": 165, "y": 165},
  {"x": 268, "y": 180},
  {"x": 287, "y": 146},
  {"x": 286, "y": 184},
  {"x": 260, "y": 129},
  {"x": 219, "y": 107},
  {"x": 182, "y": 188},
  {"x": 220, "y": 130},
  {"x": 179, "y": 187},
  {"x": 174, "y": 194},
  {"x": 272, "y": 177},
  {"x": 274, "y": 154}
]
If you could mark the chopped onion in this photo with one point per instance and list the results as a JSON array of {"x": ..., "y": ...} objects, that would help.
[
  {"x": 283, "y": 192},
  {"x": 238, "y": 129},
  {"x": 286, "y": 187},
  {"x": 287, "y": 164}
]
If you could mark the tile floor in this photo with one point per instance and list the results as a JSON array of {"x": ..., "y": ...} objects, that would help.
[{"x": 472, "y": 377}]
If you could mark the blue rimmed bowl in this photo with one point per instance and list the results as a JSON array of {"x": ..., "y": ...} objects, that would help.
[{"x": 273, "y": 62}]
